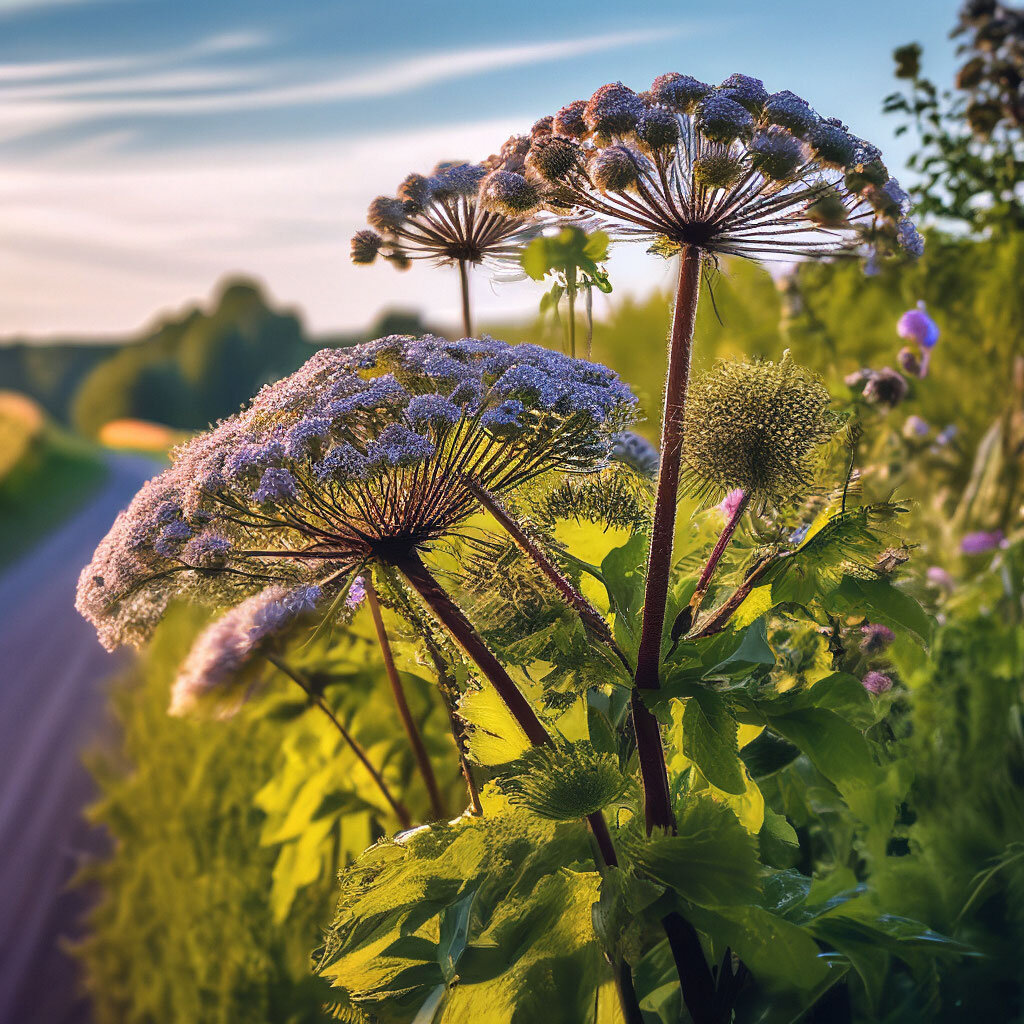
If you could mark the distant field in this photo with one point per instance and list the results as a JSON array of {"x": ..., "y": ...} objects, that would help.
[{"x": 45, "y": 474}]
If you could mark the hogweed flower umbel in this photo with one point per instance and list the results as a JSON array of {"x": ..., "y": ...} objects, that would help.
[
  {"x": 361, "y": 454},
  {"x": 440, "y": 217},
  {"x": 730, "y": 169}
]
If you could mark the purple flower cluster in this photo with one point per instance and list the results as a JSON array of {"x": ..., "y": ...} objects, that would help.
[
  {"x": 731, "y": 169},
  {"x": 877, "y": 683},
  {"x": 214, "y": 667},
  {"x": 361, "y": 449}
]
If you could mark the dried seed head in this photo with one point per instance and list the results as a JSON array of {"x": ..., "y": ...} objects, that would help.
[
  {"x": 748, "y": 92},
  {"x": 721, "y": 118},
  {"x": 456, "y": 179},
  {"x": 613, "y": 110},
  {"x": 832, "y": 145},
  {"x": 788, "y": 110},
  {"x": 365, "y": 246},
  {"x": 658, "y": 129},
  {"x": 678, "y": 92},
  {"x": 569, "y": 120},
  {"x": 415, "y": 192},
  {"x": 755, "y": 426},
  {"x": 776, "y": 153},
  {"x": 885, "y": 387},
  {"x": 386, "y": 213},
  {"x": 615, "y": 168},
  {"x": 509, "y": 193},
  {"x": 554, "y": 157},
  {"x": 543, "y": 126}
]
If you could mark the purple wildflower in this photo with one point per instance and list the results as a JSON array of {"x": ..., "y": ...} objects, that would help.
[
  {"x": 915, "y": 428},
  {"x": 916, "y": 325},
  {"x": 876, "y": 637},
  {"x": 877, "y": 683},
  {"x": 730, "y": 503},
  {"x": 980, "y": 542},
  {"x": 356, "y": 593},
  {"x": 939, "y": 577},
  {"x": 276, "y": 485}
]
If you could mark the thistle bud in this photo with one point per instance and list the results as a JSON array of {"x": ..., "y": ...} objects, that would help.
[
  {"x": 748, "y": 92},
  {"x": 890, "y": 199},
  {"x": 917, "y": 325},
  {"x": 613, "y": 110},
  {"x": 877, "y": 683},
  {"x": 680, "y": 93},
  {"x": 365, "y": 246},
  {"x": 717, "y": 170},
  {"x": 553, "y": 157},
  {"x": 862, "y": 177},
  {"x": 386, "y": 213},
  {"x": 614, "y": 169},
  {"x": 458, "y": 179},
  {"x": 722, "y": 119},
  {"x": 832, "y": 145},
  {"x": 509, "y": 193},
  {"x": 910, "y": 362},
  {"x": 569, "y": 120},
  {"x": 828, "y": 210},
  {"x": 776, "y": 154},
  {"x": 658, "y": 129},
  {"x": 788, "y": 110}
]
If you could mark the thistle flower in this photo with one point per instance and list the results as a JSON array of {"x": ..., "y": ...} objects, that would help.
[
  {"x": 732, "y": 169},
  {"x": 440, "y": 218},
  {"x": 877, "y": 683},
  {"x": 754, "y": 426},
  {"x": 362, "y": 452},
  {"x": 730, "y": 503},
  {"x": 940, "y": 578},
  {"x": 876, "y": 637},
  {"x": 215, "y": 666}
]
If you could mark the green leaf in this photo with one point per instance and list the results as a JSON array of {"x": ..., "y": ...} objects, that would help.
[
  {"x": 709, "y": 739},
  {"x": 711, "y": 860},
  {"x": 882, "y": 601},
  {"x": 768, "y": 754}
]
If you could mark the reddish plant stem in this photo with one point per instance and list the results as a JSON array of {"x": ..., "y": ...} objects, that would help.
[
  {"x": 467, "y": 320},
  {"x": 453, "y": 619},
  {"x": 716, "y": 554},
  {"x": 400, "y": 811},
  {"x": 657, "y": 798},
  {"x": 419, "y": 751},
  {"x": 572, "y": 597}
]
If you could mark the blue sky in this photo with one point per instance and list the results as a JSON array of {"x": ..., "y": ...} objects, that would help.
[{"x": 148, "y": 147}]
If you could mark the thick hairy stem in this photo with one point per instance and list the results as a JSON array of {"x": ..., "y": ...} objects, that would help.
[
  {"x": 657, "y": 800},
  {"x": 591, "y": 617},
  {"x": 461, "y": 629},
  {"x": 570, "y": 294},
  {"x": 467, "y": 320},
  {"x": 419, "y": 751},
  {"x": 400, "y": 812},
  {"x": 716, "y": 554},
  {"x": 659, "y": 563}
]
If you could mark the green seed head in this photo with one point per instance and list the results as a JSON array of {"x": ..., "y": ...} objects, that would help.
[
  {"x": 756, "y": 426},
  {"x": 717, "y": 170}
]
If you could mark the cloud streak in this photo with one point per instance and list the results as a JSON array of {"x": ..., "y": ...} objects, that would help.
[{"x": 27, "y": 110}]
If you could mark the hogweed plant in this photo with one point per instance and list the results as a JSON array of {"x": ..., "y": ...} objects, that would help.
[
  {"x": 440, "y": 217},
  {"x": 639, "y": 805}
]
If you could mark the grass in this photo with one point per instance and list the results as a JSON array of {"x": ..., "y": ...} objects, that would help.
[{"x": 45, "y": 476}]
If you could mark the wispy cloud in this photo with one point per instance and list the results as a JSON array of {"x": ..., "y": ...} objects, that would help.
[{"x": 26, "y": 110}]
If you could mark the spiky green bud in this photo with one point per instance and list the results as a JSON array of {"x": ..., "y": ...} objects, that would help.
[
  {"x": 565, "y": 781},
  {"x": 756, "y": 425},
  {"x": 717, "y": 170},
  {"x": 509, "y": 193},
  {"x": 614, "y": 169},
  {"x": 553, "y": 157},
  {"x": 828, "y": 210}
]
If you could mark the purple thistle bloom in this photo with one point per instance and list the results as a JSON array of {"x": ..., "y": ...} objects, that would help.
[
  {"x": 356, "y": 593},
  {"x": 877, "y": 683},
  {"x": 917, "y": 325},
  {"x": 980, "y": 542},
  {"x": 876, "y": 637}
]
